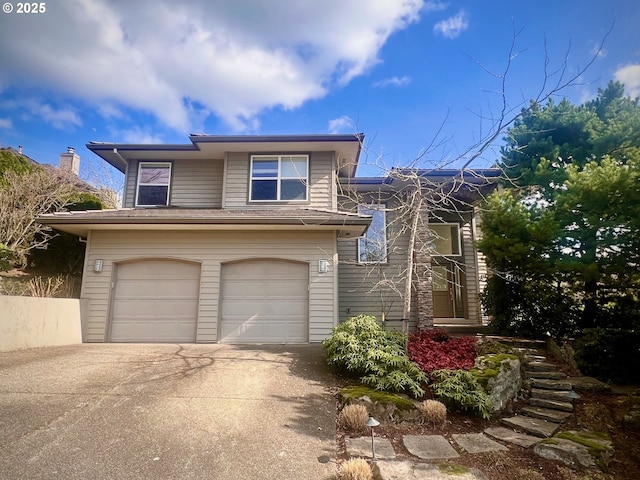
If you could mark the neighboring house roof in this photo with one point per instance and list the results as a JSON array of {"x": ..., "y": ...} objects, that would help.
[
  {"x": 347, "y": 148},
  {"x": 170, "y": 218}
]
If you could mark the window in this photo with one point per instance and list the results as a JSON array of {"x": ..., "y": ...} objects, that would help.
[
  {"x": 372, "y": 248},
  {"x": 279, "y": 178},
  {"x": 445, "y": 239},
  {"x": 153, "y": 183}
]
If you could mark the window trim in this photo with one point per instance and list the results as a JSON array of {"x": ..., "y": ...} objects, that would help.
[
  {"x": 143, "y": 164},
  {"x": 382, "y": 208},
  {"x": 279, "y": 178},
  {"x": 458, "y": 238}
]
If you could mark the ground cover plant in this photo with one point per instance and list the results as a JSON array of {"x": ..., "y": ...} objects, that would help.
[
  {"x": 435, "y": 350},
  {"x": 362, "y": 348}
]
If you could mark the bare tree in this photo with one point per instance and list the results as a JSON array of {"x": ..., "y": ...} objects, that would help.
[
  {"x": 23, "y": 198},
  {"x": 418, "y": 197}
]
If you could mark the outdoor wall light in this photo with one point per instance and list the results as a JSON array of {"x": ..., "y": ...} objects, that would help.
[
  {"x": 371, "y": 423},
  {"x": 97, "y": 266},
  {"x": 323, "y": 266}
]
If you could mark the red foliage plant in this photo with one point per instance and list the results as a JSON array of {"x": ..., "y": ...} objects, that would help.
[{"x": 435, "y": 349}]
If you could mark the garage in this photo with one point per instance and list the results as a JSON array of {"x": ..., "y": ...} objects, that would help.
[
  {"x": 155, "y": 301},
  {"x": 265, "y": 301}
]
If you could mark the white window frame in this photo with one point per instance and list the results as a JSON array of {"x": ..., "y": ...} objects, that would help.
[
  {"x": 367, "y": 210},
  {"x": 279, "y": 178},
  {"x": 458, "y": 239},
  {"x": 139, "y": 183}
]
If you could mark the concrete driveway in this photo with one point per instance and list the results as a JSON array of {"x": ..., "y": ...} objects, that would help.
[{"x": 114, "y": 411}]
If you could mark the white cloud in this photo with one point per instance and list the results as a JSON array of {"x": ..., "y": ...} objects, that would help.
[
  {"x": 63, "y": 118},
  {"x": 630, "y": 76},
  {"x": 235, "y": 59},
  {"x": 393, "y": 81},
  {"x": 430, "y": 6},
  {"x": 343, "y": 124},
  {"x": 6, "y": 123},
  {"x": 452, "y": 27},
  {"x": 135, "y": 135}
]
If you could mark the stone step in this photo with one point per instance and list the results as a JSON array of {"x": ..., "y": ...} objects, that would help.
[
  {"x": 550, "y": 384},
  {"x": 559, "y": 395},
  {"x": 526, "y": 351},
  {"x": 548, "y": 375},
  {"x": 534, "y": 426},
  {"x": 534, "y": 358},
  {"x": 551, "y": 404},
  {"x": 547, "y": 414},
  {"x": 540, "y": 367}
]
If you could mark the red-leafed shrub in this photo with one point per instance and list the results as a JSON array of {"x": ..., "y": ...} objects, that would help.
[{"x": 436, "y": 350}]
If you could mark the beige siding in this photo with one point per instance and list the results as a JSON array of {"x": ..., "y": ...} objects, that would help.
[
  {"x": 481, "y": 262},
  {"x": 471, "y": 270},
  {"x": 321, "y": 188},
  {"x": 373, "y": 289},
  {"x": 194, "y": 183},
  {"x": 211, "y": 249}
]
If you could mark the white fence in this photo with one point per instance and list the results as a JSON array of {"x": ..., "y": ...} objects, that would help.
[{"x": 29, "y": 322}]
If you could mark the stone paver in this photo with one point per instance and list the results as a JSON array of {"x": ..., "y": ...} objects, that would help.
[
  {"x": 532, "y": 425},
  {"x": 508, "y": 435},
  {"x": 551, "y": 404},
  {"x": 557, "y": 395},
  {"x": 429, "y": 447},
  {"x": 407, "y": 470},
  {"x": 361, "y": 447},
  {"x": 551, "y": 384},
  {"x": 548, "y": 414},
  {"x": 477, "y": 443}
]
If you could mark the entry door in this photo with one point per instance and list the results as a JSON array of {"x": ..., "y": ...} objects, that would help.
[{"x": 448, "y": 291}]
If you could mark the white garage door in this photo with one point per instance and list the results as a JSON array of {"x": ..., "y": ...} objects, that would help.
[
  {"x": 155, "y": 301},
  {"x": 265, "y": 301}
]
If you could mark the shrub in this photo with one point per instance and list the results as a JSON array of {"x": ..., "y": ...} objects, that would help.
[
  {"x": 361, "y": 347},
  {"x": 355, "y": 469},
  {"x": 6, "y": 258},
  {"x": 354, "y": 417},
  {"x": 435, "y": 350},
  {"x": 459, "y": 389},
  {"x": 434, "y": 412},
  {"x": 609, "y": 354}
]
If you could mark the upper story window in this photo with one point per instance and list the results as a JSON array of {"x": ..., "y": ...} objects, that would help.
[
  {"x": 372, "y": 247},
  {"x": 279, "y": 178},
  {"x": 153, "y": 183},
  {"x": 445, "y": 239}
]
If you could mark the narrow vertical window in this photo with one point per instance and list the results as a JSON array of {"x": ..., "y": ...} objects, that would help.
[
  {"x": 445, "y": 239},
  {"x": 154, "y": 179},
  {"x": 372, "y": 247}
]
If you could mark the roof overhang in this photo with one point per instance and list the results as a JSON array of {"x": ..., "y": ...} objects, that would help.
[
  {"x": 347, "y": 225},
  {"x": 208, "y": 147}
]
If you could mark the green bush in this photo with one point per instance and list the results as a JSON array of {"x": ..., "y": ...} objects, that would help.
[
  {"x": 460, "y": 390},
  {"x": 359, "y": 346},
  {"x": 609, "y": 354},
  {"x": 6, "y": 258}
]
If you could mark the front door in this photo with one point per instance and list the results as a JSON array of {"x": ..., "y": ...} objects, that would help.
[{"x": 448, "y": 291}]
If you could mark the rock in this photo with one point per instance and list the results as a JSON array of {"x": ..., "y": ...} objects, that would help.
[
  {"x": 551, "y": 384},
  {"x": 477, "y": 443},
  {"x": 407, "y": 470},
  {"x": 588, "y": 384},
  {"x": 505, "y": 385},
  {"x": 361, "y": 447},
  {"x": 552, "y": 404},
  {"x": 577, "y": 449},
  {"x": 565, "y": 451},
  {"x": 548, "y": 414}
]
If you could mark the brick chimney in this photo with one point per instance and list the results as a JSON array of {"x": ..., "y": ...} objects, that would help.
[{"x": 70, "y": 161}]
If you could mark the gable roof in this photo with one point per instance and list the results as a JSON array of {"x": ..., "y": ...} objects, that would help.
[{"x": 347, "y": 148}]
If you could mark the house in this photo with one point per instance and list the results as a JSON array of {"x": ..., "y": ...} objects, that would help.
[{"x": 246, "y": 239}]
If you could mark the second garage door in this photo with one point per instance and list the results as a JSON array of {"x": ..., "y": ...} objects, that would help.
[
  {"x": 155, "y": 301},
  {"x": 265, "y": 301}
]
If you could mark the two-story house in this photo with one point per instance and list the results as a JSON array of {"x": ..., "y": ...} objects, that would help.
[{"x": 241, "y": 239}]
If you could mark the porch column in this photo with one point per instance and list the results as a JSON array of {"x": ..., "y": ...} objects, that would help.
[{"x": 423, "y": 273}]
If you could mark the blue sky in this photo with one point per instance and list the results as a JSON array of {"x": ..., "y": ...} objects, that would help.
[{"x": 422, "y": 79}]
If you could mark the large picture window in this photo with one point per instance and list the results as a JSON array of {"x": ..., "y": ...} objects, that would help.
[
  {"x": 279, "y": 178},
  {"x": 154, "y": 179},
  {"x": 372, "y": 247},
  {"x": 445, "y": 239}
]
